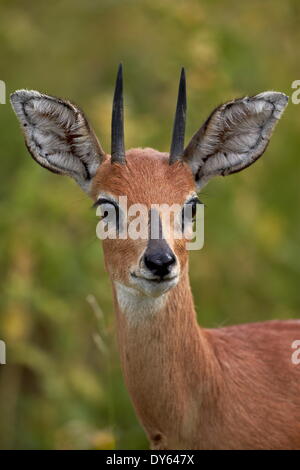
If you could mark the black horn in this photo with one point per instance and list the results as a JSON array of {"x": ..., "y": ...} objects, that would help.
[
  {"x": 117, "y": 122},
  {"x": 177, "y": 145}
]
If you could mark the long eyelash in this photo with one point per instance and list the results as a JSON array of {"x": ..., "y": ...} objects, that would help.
[
  {"x": 194, "y": 199},
  {"x": 102, "y": 200}
]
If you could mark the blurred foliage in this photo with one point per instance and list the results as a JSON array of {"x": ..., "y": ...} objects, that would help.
[{"x": 62, "y": 386}]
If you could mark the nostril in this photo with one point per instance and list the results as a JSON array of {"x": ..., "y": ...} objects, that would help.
[
  {"x": 159, "y": 263},
  {"x": 168, "y": 259}
]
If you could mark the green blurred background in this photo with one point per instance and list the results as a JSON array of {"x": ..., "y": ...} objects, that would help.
[{"x": 62, "y": 386}]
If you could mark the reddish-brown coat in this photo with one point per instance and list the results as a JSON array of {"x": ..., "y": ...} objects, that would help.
[{"x": 192, "y": 388}]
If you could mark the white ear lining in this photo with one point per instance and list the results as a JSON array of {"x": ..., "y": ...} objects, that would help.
[
  {"x": 234, "y": 136},
  {"x": 58, "y": 135}
]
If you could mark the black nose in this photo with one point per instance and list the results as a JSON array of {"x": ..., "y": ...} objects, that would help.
[{"x": 160, "y": 264}]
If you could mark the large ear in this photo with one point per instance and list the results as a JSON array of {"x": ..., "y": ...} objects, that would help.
[
  {"x": 234, "y": 136},
  {"x": 58, "y": 135}
]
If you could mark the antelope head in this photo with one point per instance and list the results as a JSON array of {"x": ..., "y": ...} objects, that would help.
[{"x": 59, "y": 138}]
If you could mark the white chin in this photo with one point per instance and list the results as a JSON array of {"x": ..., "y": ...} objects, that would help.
[{"x": 153, "y": 288}]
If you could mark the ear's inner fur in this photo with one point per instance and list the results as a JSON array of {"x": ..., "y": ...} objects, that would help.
[
  {"x": 58, "y": 135},
  {"x": 234, "y": 136}
]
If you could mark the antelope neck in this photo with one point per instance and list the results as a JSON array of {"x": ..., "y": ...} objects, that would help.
[{"x": 165, "y": 356}]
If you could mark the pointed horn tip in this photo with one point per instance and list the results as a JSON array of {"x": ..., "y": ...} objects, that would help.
[
  {"x": 177, "y": 145},
  {"x": 117, "y": 129},
  {"x": 119, "y": 80},
  {"x": 182, "y": 75},
  {"x": 120, "y": 68},
  {"x": 182, "y": 83}
]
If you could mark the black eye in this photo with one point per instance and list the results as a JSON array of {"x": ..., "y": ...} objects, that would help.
[
  {"x": 107, "y": 208},
  {"x": 194, "y": 208},
  {"x": 189, "y": 211}
]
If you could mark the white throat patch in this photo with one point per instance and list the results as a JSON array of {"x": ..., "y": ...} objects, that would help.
[{"x": 135, "y": 306}]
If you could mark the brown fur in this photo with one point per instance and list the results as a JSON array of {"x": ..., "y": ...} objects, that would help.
[{"x": 227, "y": 388}]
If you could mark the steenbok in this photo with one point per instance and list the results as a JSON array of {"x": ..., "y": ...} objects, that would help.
[{"x": 192, "y": 388}]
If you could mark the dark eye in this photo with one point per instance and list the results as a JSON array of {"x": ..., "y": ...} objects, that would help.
[
  {"x": 108, "y": 208},
  {"x": 194, "y": 208},
  {"x": 189, "y": 211}
]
